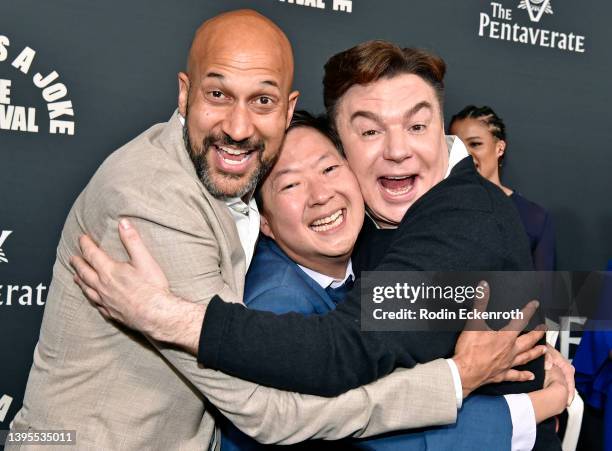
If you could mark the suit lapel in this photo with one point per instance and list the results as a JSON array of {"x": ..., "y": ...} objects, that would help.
[{"x": 320, "y": 292}]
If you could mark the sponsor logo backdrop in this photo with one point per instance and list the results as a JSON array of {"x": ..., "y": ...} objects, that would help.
[{"x": 78, "y": 79}]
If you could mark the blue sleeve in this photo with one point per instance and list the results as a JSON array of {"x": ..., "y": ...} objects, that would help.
[
  {"x": 280, "y": 300},
  {"x": 484, "y": 422}
]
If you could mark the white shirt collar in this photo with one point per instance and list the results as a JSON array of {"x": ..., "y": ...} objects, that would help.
[
  {"x": 239, "y": 206},
  {"x": 456, "y": 152},
  {"x": 246, "y": 218},
  {"x": 327, "y": 281}
]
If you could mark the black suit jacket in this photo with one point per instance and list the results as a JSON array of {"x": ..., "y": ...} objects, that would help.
[{"x": 464, "y": 223}]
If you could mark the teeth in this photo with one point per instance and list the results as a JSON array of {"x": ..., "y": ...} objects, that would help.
[
  {"x": 235, "y": 162},
  {"x": 328, "y": 219},
  {"x": 232, "y": 151},
  {"x": 244, "y": 153},
  {"x": 399, "y": 191},
  {"x": 322, "y": 225}
]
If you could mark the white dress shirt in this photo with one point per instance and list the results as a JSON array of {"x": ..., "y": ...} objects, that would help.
[
  {"x": 246, "y": 217},
  {"x": 325, "y": 281}
]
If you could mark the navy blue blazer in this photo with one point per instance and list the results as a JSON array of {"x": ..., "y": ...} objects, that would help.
[
  {"x": 275, "y": 283},
  {"x": 294, "y": 291}
]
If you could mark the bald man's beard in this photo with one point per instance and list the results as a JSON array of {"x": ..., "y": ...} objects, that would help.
[{"x": 206, "y": 176}]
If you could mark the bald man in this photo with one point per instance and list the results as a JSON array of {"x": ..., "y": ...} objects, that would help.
[{"x": 187, "y": 184}]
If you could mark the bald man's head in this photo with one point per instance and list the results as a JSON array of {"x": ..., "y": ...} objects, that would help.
[
  {"x": 239, "y": 33},
  {"x": 236, "y": 99}
]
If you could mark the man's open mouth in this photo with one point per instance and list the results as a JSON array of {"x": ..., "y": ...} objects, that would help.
[
  {"x": 397, "y": 185},
  {"x": 233, "y": 156},
  {"x": 329, "y": 222}
]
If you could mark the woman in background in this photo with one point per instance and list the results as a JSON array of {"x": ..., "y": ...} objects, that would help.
[{"x": 484, "y": 135}]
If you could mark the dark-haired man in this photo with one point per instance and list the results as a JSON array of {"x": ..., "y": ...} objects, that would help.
[
  {"x": 386, "y": 105},
  {"x": 311, "y": 213}
]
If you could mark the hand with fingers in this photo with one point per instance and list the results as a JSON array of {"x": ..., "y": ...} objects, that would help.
[
  {"x": 127, "y": 292},
  {"x": 553, "y": 398},
  {"x": 485, "y": 356},
  {"x": 555, "y": 359}
]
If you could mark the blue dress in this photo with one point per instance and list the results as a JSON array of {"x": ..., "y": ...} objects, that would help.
[{"x": 539, "y": 227}]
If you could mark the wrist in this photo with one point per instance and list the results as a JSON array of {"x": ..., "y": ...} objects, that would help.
[
  {"x": 469, "y": 381},
  {"x": 558, "y": 397},
  {"x": 549, "y": 401},
  {"x": 176, "y": 321}
]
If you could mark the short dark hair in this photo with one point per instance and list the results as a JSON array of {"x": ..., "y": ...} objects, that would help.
[
  {"x": 320, "y": 123},
  {"x": 305, "y": 119},
  {"x": 485, "y": 114},
  {"x": 373, "y": 60}
]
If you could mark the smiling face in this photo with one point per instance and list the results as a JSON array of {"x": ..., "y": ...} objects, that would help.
[
  {"x": 312, "y": 206},
  {"x": 393, "y": 137},
  {"x": 485, "y": 149},
  {"x": 236, "y": 100}
]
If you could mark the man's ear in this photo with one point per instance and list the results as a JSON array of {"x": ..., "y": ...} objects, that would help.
[
  {"x": 264, "y": 226},
  {"x": 183, "y": 94},
  {"x": 293, "y": 98}
]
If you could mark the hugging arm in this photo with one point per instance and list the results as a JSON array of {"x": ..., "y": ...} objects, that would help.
[
  {"x": 280, "y": 350},
  {"x": 270, "y": 415},
  {"x": 335, "y": 355},
  {"x": 189, "y": 260}
]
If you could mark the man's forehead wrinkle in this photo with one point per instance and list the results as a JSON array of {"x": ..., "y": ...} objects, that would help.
[{"x": 243, "y": 60}]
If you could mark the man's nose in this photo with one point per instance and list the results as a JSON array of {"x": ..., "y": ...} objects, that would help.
[
  {"x": 238, "y": 123},
  {"x": 397, "y": 146},
  {"x": 320, "y": 193}
]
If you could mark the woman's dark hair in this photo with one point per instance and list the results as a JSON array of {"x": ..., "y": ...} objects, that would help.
[
  {"x": 305, "y": 119},
  {"x": 486, "y": 115}
]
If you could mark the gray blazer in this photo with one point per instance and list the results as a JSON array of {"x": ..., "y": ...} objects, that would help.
[{"x": 121, "y": 391}]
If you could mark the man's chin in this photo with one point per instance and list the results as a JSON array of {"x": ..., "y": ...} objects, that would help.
[
  {"x": 228, "y": 186},
  {"x": 339, "y": 249}
]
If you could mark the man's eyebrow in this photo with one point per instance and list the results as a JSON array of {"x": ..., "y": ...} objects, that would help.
[
  {"x": 214, "y": 75},
  {"x": 290, "y": 169},
  {"x": 366, "y": 114},
  {"x": 418, "y": 107},
  {"x": 376, "y": 118},
  {"x": 270, "y": 83}
]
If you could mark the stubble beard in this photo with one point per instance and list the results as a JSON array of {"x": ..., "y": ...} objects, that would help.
[{"x": 204, "y": 173}]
